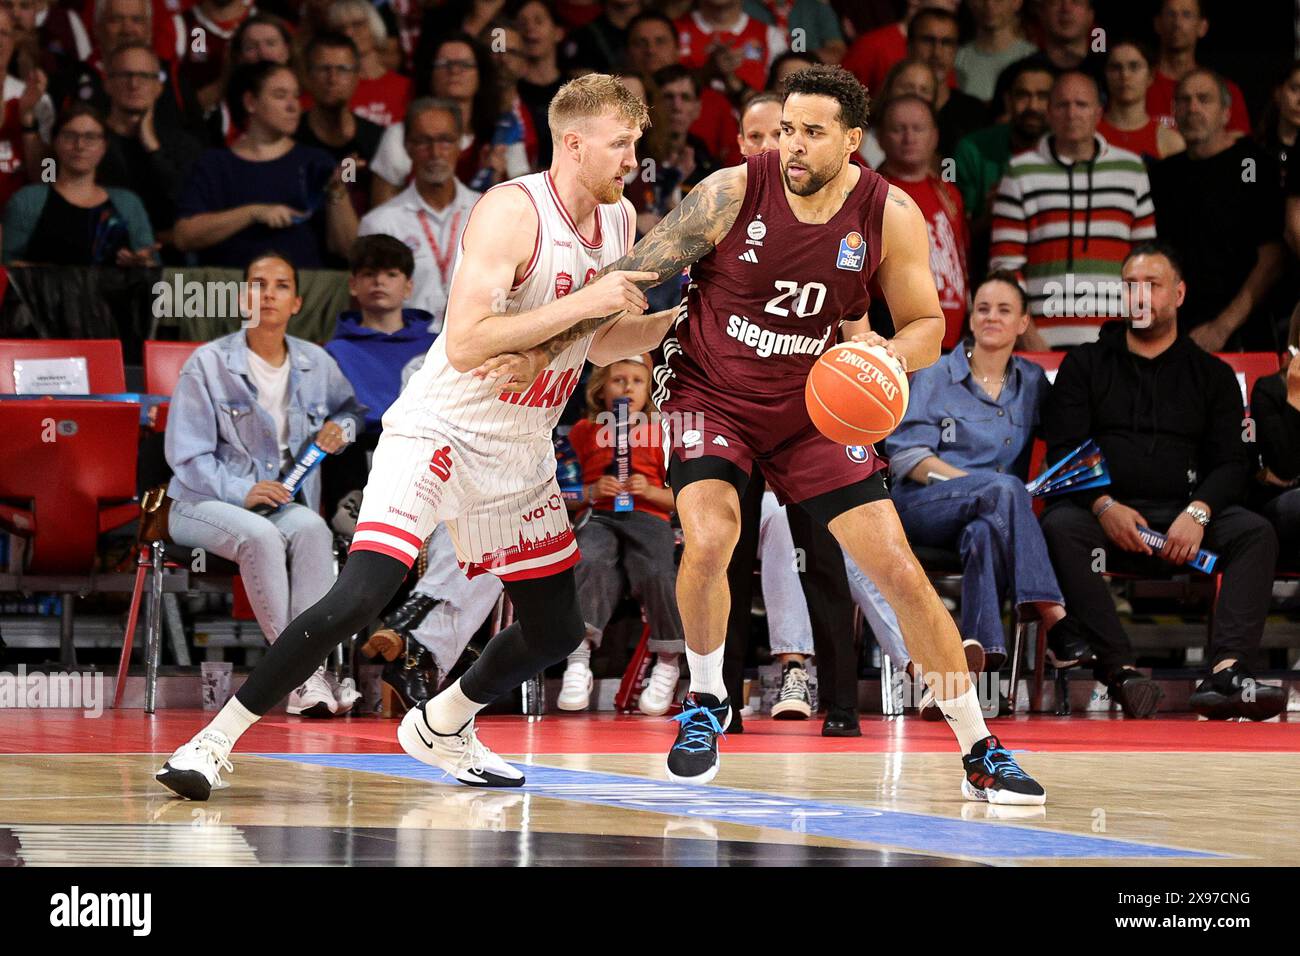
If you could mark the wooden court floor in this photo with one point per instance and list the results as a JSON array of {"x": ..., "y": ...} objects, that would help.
[{"x": 1170, "y": 792}]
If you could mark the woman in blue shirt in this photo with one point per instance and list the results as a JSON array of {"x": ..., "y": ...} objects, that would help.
[
  {"x": 959, "y": 462},
  {"x": 266, "y": 191}
]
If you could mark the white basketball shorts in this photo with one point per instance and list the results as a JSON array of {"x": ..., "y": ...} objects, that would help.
[{"x": 499, "y": 499}]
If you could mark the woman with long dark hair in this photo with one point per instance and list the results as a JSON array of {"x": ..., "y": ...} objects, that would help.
[
  {"x": 265, "y": 190},
  {"x": 1126, "y": 123},
  {"x": 74, "y": 220},
  {"x": 492, "y": 147}
]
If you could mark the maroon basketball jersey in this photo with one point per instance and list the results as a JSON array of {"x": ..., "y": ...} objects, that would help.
[{"x": 766, "y": 302}]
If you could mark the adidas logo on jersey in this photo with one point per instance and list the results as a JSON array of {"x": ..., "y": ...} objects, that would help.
[
  {"x": 719, "y": 440},
  {"x": 749, "y": 255}
]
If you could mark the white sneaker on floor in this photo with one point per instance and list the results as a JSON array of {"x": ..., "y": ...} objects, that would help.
[
  {"x": 575, "y": 689},
  {"x": 194, "y": 770},
  {"x": 314, "y": 698},
  {"x": 346, "y": 694},
  {"x": 461, "y": 754},
  {"x": 661, "y": 689}
]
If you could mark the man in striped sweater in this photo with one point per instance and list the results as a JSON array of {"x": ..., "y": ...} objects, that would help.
[{"x": 1065, "y": 216}]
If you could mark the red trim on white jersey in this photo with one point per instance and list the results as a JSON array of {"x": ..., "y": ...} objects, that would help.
[
  {"x": 537, "y": 240},
  {"x": 380, "y": 548},
  {"x": 627, "y": 228},
  {"x": 555, "y": 194},
  {"x": 529, "y": 563},
  {"x": 386, "y": 539}
]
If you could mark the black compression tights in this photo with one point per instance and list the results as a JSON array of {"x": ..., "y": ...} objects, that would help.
[
  {"x": 364, "y": 587},
  {"x": 549, "y": 627}
]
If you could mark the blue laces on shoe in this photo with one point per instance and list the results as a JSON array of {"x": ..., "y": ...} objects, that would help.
[
  {"x": 998, "y": 760},
  {"x": 697, "y": 738}
]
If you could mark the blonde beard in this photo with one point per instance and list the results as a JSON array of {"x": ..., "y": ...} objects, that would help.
[{"x": 605, "y": 191}]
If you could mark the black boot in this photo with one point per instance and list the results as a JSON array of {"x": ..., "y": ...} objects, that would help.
[
  {"x": 409, "y": 680},
  {"x": 390, "y": 640},
  {"x": 1139, "y": 696}
]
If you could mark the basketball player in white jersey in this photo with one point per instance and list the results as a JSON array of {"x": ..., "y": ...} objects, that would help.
[{"x": 470, "y": 450}]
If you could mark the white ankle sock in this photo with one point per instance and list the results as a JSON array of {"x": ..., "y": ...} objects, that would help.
[
  {"x": 669, "y": 660},
  {"x": 581, "y": 654},
  {"x": 233, "y": 719},
  {"x": 451, "y": 710},
  {"x": 965, "y": 718},
  {"x": 706, "y": 672}
]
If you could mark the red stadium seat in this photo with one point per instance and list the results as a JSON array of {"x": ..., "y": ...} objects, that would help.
[
  {"x": 163, "y": 362},
  {"x": 70, "y": 474},
  {"x": 74, "y": 462},
  {"x": 104, "y": 367},
  {"x": 1250, "y": 367}
]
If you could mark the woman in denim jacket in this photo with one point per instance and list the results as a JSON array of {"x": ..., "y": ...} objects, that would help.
[
  {"x": 244, "y": 408},
  {"x": 959, "y": 462}
]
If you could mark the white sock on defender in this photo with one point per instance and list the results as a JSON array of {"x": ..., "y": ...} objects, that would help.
[
  {"x": 965, "y": 718},
  {"x": 706, "y": 672},
  {"x": 233, "y": 720},
  {"x": 451, "y": 710}
]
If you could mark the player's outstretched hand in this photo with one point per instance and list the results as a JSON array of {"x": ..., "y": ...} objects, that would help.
[
  {"x": 875, "y": 338},
  {"x": 616, "y": 292},
  {"x": 513, "y": 371}
]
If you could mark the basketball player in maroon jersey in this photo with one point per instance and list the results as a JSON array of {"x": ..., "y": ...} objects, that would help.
[{"x": 782, "y": 250}]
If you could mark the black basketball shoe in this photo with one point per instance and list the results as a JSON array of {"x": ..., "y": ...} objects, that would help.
[
  {"x": 1234, "y": 692},
  {"x": 993, "y": 776},
  {"x": 694, "y": 757}
]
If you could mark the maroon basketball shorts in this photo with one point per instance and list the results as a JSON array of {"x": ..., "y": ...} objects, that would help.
[{"x": 771, "y": 431}]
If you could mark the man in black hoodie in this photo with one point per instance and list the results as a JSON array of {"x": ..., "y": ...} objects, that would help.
[{"x": 1168, "y": 417}]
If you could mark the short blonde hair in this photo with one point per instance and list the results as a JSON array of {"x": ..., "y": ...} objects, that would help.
[
  {"x": 591, "y": 96},
  {"x": 600, "y": 375}
]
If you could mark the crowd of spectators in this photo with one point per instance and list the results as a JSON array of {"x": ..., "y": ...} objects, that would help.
[{"x": 1043, "y": 140}]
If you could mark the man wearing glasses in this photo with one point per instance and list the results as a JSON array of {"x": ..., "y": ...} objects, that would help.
[
  {"x": 330, "y": 79},
  {"x": 430, "y": 215},
  {"x": 933, "y": 37},
  {"x": 150, "y": 159}
]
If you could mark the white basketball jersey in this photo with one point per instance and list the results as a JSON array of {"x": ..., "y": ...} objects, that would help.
[{"x": 440, "y": 398}]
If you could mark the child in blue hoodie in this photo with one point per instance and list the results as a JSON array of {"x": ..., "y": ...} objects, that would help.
[{"x": 373, "y": 347}]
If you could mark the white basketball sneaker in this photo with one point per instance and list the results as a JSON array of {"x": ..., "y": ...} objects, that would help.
[
  {"x": 194, "y": 770},
  {"x": 575, "y": 689},
  {"x": 660, "y": 689},
  {"x": 314, "y": 698},
  {"x": 344, "y": 692},
  {"x": 461, "y": 754}
]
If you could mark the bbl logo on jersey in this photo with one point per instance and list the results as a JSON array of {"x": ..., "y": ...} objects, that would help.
[
  {"x": 857, "y": 453},
  {"x": 853, "y": 252}
]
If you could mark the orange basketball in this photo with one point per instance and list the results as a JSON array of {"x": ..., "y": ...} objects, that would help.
[{"x": 856, "y": 394}]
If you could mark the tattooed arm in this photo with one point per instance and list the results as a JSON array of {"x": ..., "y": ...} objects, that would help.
[
  {"x": 684, "y": 236},
  {"x": 498, "y": 241}
]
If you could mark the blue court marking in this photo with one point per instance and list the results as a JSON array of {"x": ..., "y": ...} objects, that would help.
[{"x": 908, "y": 831}]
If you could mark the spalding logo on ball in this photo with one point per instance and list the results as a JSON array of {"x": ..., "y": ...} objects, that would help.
[{"x": 856, "y": 394}]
